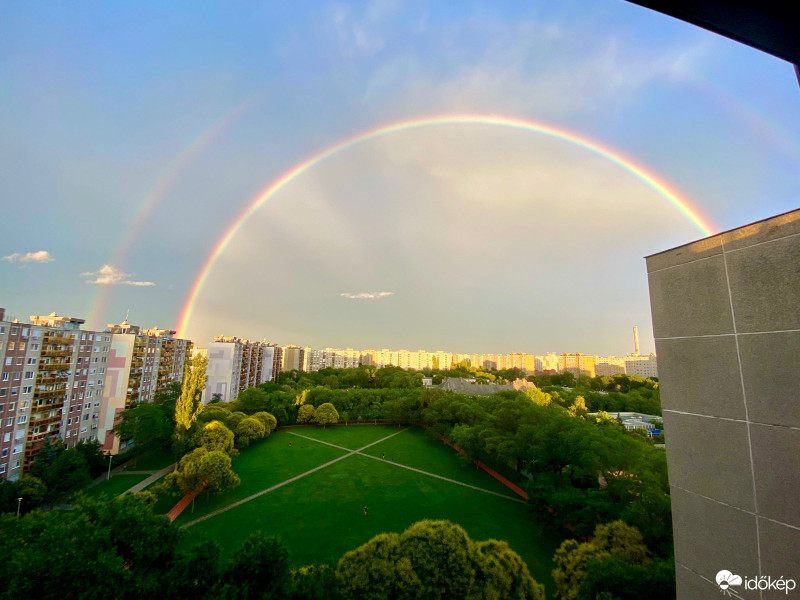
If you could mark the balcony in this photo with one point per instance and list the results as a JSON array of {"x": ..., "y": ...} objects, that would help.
[
  {"x": 57, "y": 338},
  {"x": 49, "y": 393},
  {"x": 50, "y": 379},
  {"x": 54, "y": 352},
  {"x": 55, "y": 366}
]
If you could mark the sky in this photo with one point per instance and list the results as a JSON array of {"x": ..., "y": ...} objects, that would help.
[{"x": 134, "y": 136}]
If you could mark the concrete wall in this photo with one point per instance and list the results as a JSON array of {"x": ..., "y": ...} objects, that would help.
[{"x": 726, "y": 320}]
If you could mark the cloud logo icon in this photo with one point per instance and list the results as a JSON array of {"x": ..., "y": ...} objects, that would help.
[{"x": 726, "y": 579}]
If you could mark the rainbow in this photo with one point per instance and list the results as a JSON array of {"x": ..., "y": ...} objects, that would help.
[
  {"x": 163, "y": 186},
  {"x": 650, "y": 179}
]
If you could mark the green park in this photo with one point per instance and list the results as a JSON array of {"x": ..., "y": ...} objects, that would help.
[
  {"x": 340, "y": 484},
  {"x": 291, "y": 487}
]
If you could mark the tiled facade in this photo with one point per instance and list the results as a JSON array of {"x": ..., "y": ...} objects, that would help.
[{"x": 726, "y": 320}]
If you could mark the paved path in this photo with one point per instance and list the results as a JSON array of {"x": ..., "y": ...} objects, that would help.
[
  {"x": 292, "y": 479},
  {"x": 153, "y": 478},
  {"x": 429, "y": 474}
]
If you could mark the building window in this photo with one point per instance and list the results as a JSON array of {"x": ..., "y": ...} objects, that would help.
[
  {"x": 5, "y": 452},
  {"x": 24, "y": 332},
  {"x": 9, "y": 361},
  {"x": 28, "y": 374},
  {"x": 9, "y": 422},
  {"x": 3, "y": 468},
  {"x": 16, "y": 465},
  {"x": 69, "y": 432},
  {"x": 12, "y": 345},
  {"x": 22, "y": 419},
  {"x": 34, "y": 346},
  {"x": 83, "y": 429},
  {"x": 3, "y": 392},
  {"x": 16, "y": 376},
  {"x": 27, "y": 389},
  {"x": 14, "y": 330},
  {"x": 17, "y": 448},
  {"x": 5, "y": 376},
  {"x": 31, "y": 361}
]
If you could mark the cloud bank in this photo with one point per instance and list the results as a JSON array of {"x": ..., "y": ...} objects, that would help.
[
  {"x": 109, "y": 275},
  {"x": 40, "y": 256}
]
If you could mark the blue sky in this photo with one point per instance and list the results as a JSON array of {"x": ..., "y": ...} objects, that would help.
[{"x": 488, "y": 240}]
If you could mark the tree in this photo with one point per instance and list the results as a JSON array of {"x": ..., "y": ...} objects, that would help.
[
  {"x": 315, "y": 582},
  {"x": 434, "y": 560},
  {"x": 259, "y": 570},
  {"x": 67, "y": 473},
  {"x": 201, "y": 466},
  {"x": 269, "y": 422},
  {"x": 216, "y": 436},
  {"x": 573, "y": 560},
  {"x": 326, "y": 414},
  {"x": 578, "y": 408},
  {"x": 111, "y": 547},
  {"x": 249, "y": 430},
  {"x": 305, "y": 414},
  {"x": 147, "y": 424},
  {"x": 251, "y": 400},
  {"x": 504, "y": 574},
  {"x": 189, "y": 404}
]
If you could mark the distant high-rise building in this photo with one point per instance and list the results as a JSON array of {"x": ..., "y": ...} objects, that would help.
[
  {"x": 235, "y": 364},
  {"x": 608, "y": 366},
  {"x": 577, "y": 364},
  {"x": 292, "y": 358},
  {"x": 644, "y": 366},
  {"x": 636, "y": 340}
]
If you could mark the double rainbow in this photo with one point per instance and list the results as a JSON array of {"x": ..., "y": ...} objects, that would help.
[{"x": 647, "y": 177}]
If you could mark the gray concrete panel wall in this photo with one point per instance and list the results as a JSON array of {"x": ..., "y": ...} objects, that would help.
[{"x": 726, "y": 320}]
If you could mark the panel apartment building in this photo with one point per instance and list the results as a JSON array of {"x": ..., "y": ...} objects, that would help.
[
  {"x": 141, "y": 363},
  {"x": 52, "y": 376},
  {"x": 235, "y": 364}
]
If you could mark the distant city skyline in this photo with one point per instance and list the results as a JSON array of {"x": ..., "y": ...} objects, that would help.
[{"x": 350, "y": 174}]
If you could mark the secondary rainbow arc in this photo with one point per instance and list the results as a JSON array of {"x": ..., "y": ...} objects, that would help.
[{"x": 639, "y": 171}]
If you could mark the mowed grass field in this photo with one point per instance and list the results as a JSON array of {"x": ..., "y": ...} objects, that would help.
[{"x": 320, "y": 514}]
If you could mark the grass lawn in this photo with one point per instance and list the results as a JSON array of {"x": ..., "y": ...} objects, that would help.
[
  {"x": 118, "y": 483},
  {"x": 320, "y": 516}
]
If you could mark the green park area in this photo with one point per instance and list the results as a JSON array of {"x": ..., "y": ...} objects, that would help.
[
  {"x": 118, "y": 484},
  {"x": 313, "y": 489}
]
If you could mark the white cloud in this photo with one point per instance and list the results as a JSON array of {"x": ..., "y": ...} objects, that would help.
[
  {"x": 366, "y": 295},
  {"x": 360, "y": 35},
  {"x": 109, "y": 275},
  {"x": 40, "y": 256}
]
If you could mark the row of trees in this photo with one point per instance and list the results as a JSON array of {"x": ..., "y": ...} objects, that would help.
[
  {"x": 57, "y": 473},
  {"x": 120, "y": 549}
]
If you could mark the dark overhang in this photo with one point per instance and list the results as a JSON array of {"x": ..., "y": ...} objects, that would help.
[{"x": 772, "y": 26}]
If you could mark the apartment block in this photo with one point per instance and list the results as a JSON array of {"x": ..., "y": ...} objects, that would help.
[
  {"x": 51, "y": 385},
  {"x": 608, "y": 366},
  {"x": 577, "y": 364},
  {"x": 645, "y": 366},
  {"x": 292, "y": 358},
  {"x": 726, "y": 322},
  {"x": 141, "y": 363},
  {"x": 235, "y": 364}
]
